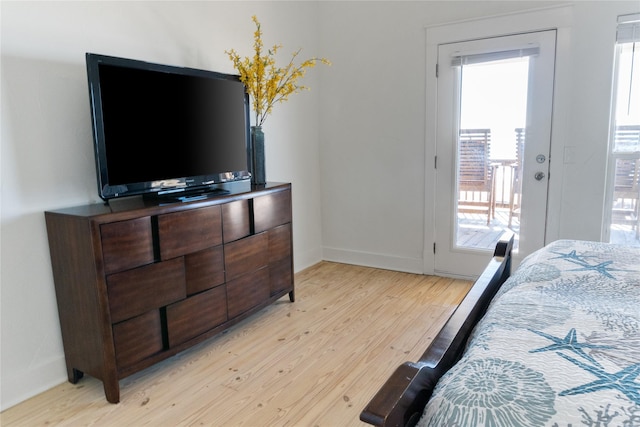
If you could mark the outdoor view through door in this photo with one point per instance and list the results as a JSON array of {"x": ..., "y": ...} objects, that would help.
[{"x": 493, "y": 109}]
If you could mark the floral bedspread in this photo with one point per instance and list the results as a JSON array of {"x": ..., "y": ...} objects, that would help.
[{"x": 559, "y": 346}]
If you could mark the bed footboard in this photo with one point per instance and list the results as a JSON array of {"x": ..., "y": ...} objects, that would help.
[{"x": 402, "y": 398}]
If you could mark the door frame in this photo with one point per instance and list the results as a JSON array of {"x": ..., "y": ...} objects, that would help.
[{"x": 552, "y": 18}]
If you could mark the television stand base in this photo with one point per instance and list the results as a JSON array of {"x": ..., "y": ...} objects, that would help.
[
  {"x": 201, "y": 195},
  {"x": 188, "y": 196}
]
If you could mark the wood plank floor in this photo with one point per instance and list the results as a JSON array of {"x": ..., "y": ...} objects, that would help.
[{"x": 315, "y": 362}]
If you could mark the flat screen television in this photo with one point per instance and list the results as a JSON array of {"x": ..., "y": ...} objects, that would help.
[{"x": 165, "y": 130}]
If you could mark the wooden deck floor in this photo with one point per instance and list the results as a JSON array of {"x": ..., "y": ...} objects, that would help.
[
  {"x": 473, "y": 231},
  {"x": 624, "y": 234}
]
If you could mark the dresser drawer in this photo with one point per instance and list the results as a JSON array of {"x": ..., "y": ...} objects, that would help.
[
  {"x": 185, "y": 232},
  {"x": 280, "y": 276},
  {"x": 204, "y": 269},
  {"x": 247, "y": 291},
  {"x": 246, "y": 255},
  {"x": 236, "y": 221},
  {"x": 126, "y": 244},
  {"x": 196, "y": 315},
  {"x": 279, "y": 243},
  {"x": 136, "y": 291},
  {"x": 137, "y": 338},
  {"x": 271, "y": 210}
]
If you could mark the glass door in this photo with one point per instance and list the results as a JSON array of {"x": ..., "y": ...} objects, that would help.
[
  {"x": 493, "y": 141},
  {"x": 622, "y": 216}
]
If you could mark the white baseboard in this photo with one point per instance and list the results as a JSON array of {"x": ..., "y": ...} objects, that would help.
[
  {"x": 306, "y": 259},
  {"x": 367, "y": 259},
  {"x": 20, "y": 386}
]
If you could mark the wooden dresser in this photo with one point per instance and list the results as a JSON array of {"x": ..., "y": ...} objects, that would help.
[{"x": 138, "y": 281}]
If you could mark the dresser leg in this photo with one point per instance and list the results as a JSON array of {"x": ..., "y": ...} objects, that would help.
[
  {"x": 111, "y": 389},
  {"x": 292, "y": 296},
  {"x": 74, "y": 375}
]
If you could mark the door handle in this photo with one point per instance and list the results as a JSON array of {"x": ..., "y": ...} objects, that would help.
[{"x": 539, "y": 176}]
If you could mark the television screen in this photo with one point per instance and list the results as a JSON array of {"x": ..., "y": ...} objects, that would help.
[{"x": 163, "y": 129}]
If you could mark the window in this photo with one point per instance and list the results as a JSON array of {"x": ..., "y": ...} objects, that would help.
[{"x": 623, "y": 207}]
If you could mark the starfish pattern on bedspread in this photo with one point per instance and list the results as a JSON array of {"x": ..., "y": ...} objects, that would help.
[
  {"x": 623, "y": 381},
  {"x": 573, "y": 256},
  {"x": 569, "y": 342},
  {"x": 602, "y": 268}
]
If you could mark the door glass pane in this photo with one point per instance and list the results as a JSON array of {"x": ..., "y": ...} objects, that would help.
[
  {"x": 493, "y": 111},
  {"x": 625, "y": 206}
]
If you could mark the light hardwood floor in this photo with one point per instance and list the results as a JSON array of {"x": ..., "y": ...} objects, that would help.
[{"x": 315, "y": 362}]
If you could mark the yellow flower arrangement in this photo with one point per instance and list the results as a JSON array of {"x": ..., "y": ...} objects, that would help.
[{"x": 266, "y": 83}]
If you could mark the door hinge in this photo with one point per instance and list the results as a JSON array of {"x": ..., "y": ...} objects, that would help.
[
  {"x": 436, "y": 71},
  {"x": 435, "y": 162},
  {"x": 434, "y": 247}
]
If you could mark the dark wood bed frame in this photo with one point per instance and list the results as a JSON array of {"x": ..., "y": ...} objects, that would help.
[{"x": 402, "y": 398}]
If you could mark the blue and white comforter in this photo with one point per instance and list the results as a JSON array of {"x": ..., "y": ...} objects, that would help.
[{"x": 559, "y": 346}]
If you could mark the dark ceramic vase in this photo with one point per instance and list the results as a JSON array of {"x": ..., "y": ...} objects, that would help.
[{"x": 258, "y": 172}]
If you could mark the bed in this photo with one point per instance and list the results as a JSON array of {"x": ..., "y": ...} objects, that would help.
[{"x": 556, "y": 343}]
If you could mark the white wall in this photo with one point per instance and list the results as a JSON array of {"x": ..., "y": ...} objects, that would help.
[
  {"x": 353, "y": 147},
  {"x": 47, "y": 157},
  {"x": 374, "y": 161}
]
